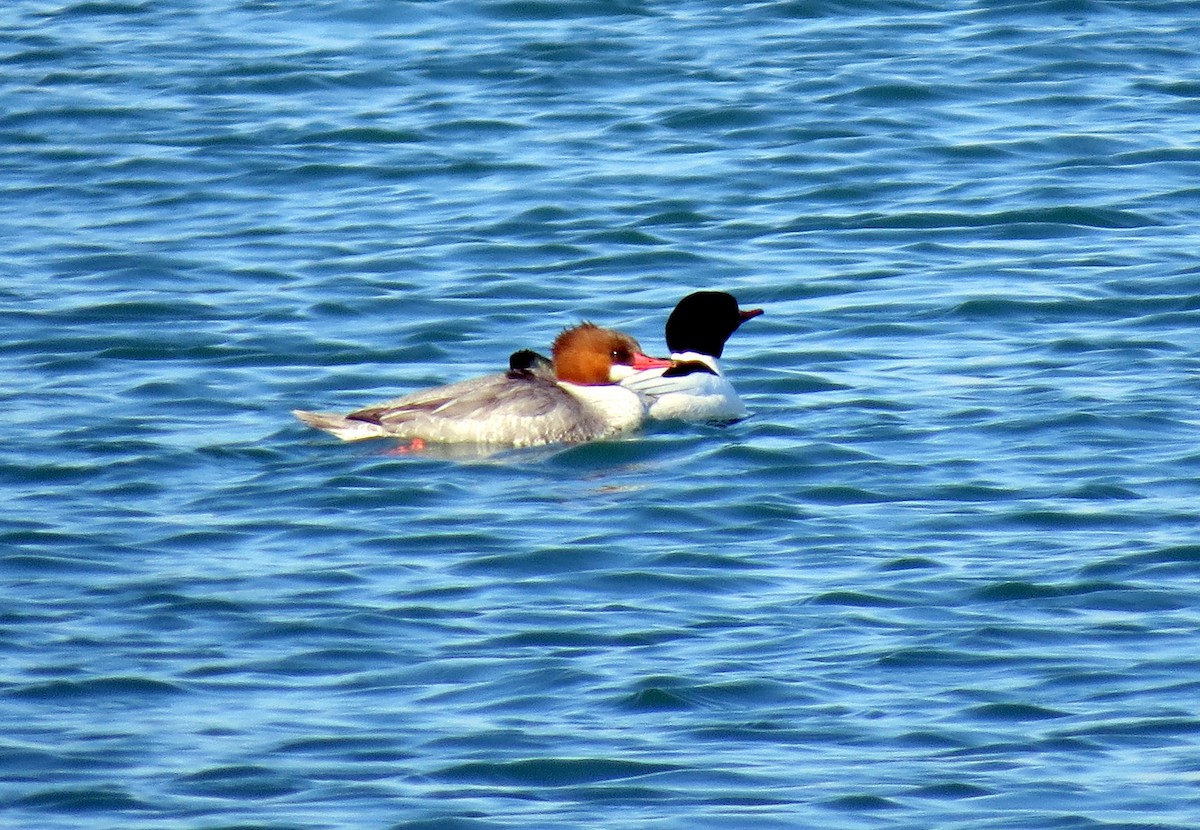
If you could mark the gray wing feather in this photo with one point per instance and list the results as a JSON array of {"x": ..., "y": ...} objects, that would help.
[
  {"x": 467, "y": 398},
  {"x": 524, "y": 409}
]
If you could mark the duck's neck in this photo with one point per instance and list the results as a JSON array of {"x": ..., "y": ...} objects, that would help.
[
  {"x": 619, "y": 408},
  {"x": 696, "y": 357}
]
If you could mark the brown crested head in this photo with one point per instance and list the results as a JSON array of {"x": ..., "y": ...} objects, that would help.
[{"x": 586, "y": 353}]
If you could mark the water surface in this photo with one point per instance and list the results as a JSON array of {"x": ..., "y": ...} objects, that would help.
[{"x": 946, "y": 575}]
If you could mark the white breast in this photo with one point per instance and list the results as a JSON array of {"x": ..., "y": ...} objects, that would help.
[
  {"x": 699, "y": 396},
  {"x": 618, "y": 408}
]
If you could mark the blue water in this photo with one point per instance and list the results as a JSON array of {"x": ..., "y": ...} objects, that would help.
[{"x": 946, "y": 576}]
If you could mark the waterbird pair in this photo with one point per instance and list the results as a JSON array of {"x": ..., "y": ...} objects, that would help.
[{"x": 598, "y": 383}]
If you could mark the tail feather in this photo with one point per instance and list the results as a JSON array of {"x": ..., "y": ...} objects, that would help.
[{"x": 340, "y": 426}]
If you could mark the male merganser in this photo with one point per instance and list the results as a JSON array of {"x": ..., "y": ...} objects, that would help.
[
  {"x": 524, "y": 407},
  {"x": 694, "y": 388}
]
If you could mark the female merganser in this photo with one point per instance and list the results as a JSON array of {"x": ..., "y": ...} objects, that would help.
[
  {"x": 694, "y": 388},
  {"x": 524, "y": 407}
]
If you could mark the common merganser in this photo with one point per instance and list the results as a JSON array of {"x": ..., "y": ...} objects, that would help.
[
  {"x": 694, "y": 388},
  {"x": 523, "y": 407}
]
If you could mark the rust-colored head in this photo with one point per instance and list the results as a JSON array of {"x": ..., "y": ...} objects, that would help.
[{"x": 587, "y": 353}]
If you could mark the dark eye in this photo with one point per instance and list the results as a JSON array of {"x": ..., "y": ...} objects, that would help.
[{"x": 621, "y": 355}]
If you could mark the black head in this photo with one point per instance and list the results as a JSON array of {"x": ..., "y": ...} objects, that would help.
[
  {"x": 527, "y": 359},
  {"x": 703, "y": 321},
  {"x": 527, "y": 363}
]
